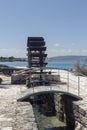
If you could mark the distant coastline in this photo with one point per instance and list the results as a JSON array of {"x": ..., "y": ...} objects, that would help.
[
  {"x": 61, "y": 62},
  {"x": 55, "y": 58},
  {"x": 11, "y": 59}
]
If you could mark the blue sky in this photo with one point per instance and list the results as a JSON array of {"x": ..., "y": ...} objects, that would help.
[{"x": 62, "y": 23}]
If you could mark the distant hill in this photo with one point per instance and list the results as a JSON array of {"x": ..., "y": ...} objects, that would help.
[{"x": 74, "y": 58}]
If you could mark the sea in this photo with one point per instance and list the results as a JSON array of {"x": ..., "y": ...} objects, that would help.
[{"x": 60, "y": 64}]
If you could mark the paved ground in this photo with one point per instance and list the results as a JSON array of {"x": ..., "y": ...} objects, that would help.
[{"x": 15, "y": 115}]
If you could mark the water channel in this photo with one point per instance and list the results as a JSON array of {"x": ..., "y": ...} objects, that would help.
[
  {"x": 47, "y": 122},
  {"x": 46, "y": 115}
]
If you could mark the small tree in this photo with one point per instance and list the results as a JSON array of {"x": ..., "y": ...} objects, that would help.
[
  {"x": 77, "y": 66},
  {"x": 80, "y": 69}
]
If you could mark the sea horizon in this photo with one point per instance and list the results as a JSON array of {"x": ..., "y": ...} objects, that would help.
[{"x": 61, "y": 63}]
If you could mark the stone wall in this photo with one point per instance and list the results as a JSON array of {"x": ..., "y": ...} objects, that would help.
[
  {"x": 59, "y": 107},
  {"x": 8, "y": 70},
  {"x": 18, "y": 79},
  {"x": 74, "y": 113},
  {"x": 80, "y": 114},
  {"x": 64, "y": 110},
  {"x": 52, "y": 77}
]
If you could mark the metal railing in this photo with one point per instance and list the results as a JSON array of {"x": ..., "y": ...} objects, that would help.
[{"x": 74, "y": 83}]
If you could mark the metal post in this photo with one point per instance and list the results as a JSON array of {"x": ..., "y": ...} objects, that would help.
[
  {"x": 67, "y": 81},
  {"x": 58, "y": 71},
  {"x": 33, "y": 89},
  {"x": 78, "y": 86},
  {"x": 50, "y": 87}
]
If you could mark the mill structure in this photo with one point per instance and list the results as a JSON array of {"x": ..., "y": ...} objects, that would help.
[{"x": 36, "y": 53}]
